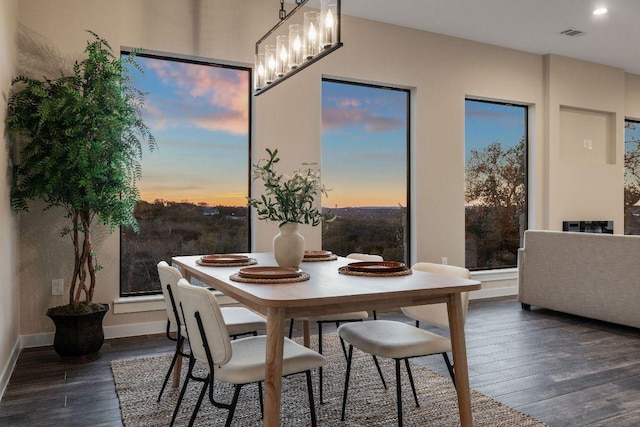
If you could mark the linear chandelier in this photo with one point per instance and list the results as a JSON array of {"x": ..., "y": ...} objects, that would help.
[{"x": 286, "y": 50}]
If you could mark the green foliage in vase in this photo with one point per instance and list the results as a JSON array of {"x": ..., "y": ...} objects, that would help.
[
  {"x": 81, "y": 139},
  {"x": 288, "y": 198}
]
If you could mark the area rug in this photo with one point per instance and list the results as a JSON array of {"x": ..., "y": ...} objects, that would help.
[{"x": 138, "y": 382}]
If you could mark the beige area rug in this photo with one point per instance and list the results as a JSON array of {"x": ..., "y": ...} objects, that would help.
[{"x": 138, "y": 382}]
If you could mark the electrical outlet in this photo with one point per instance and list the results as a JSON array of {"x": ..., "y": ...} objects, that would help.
[
  {"x": 444, "y": 261},
  {"x": 57, "y": 287}
]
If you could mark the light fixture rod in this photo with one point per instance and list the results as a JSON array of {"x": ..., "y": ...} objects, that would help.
[{"x": 282, "y": 20}]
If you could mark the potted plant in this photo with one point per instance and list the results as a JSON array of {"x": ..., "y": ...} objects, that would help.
[
  {"x": 289, "y": 201},
  {"x": 81, "y": 138}
]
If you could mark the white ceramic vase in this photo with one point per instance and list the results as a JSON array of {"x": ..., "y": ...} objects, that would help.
[{"x": 288, "y": 245}]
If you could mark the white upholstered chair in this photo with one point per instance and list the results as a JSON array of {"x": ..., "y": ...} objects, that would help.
[
  {"x": 237, "y": 362},
  {"x": 400, "y": 341},
  {"x": 239, "y": 320},
  {"x": 352, "y": 316},
  {"x": 436, "y": 314}
]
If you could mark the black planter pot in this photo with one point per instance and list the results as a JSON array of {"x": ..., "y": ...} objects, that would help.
[{"x": 79, "y": 337}]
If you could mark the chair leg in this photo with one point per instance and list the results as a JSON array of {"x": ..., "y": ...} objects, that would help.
[
  {"x": 413, "y": 386},
  {"x": 384, "y": 383},
  {"x": 312, "y": 405},
  {"x": 234, "y": 402},
  {"x": 173, "y": 363},
  {"x": 184, "y": 389},
  {"x": 398, "y": 392},
  {"x": 320, "y": 368},
  {"x": 346, "y": 381},
  {"x": 449, "y": 367},
  {"x": 198, "y": 404},
  {"x": 344, "y": 348},
  {"x": 291, "y": 328},
  {"x": 261, "y": 399}
]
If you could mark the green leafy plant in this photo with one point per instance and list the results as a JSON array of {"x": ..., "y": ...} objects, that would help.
[
  {"x": 81, "y": 139},
  {"x": 288, "y": 199}
]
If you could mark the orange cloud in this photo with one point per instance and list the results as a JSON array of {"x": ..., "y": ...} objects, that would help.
[{"x": 223, "y": 90}]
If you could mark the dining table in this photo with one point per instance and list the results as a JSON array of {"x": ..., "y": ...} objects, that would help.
[{"x": 325, "y": 290}]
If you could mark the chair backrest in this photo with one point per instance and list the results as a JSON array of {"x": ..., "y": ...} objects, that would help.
[
  {"x": 436, "y": 314},
  {"x": 365, "y": 257},
  {"x": 169, "y": 277},
  {"x": 196, "y": 299}
]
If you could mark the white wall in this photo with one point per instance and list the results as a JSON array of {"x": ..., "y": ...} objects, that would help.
[
  {"x": 9, "y": 289},
  {"x": 440, "y": 71}
]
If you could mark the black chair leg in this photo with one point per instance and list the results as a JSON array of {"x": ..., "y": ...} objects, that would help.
[
  {"x": 384, "y": 383},
  {"x": 320, "y": 351},
  {"x": 182, "y": 391},
  {"x": 346, "y": 381},
  {"x": 198, "y": 404},
  {"x": 173, "y": 363},
  {"x": 398, "y": 392},
  {"x": 234, "y": 402},
  {"x": 312, "y": 405},
  {"x": 413, "y": 386},
  {"x": 261, "y": 399},
  {"x": 290, "y": 328},
  {"x": 344, "y": 348},
  {"x": 449, "y": 367}
]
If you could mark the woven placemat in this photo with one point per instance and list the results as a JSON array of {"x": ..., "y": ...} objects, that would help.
[
  {"x": 250, "y": 261},
  {"x": 318, "y": 259},
  {"x": 346, "y": 270},
  {"x": 303, "y": 276}
]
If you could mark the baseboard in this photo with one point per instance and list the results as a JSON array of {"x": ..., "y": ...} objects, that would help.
[
  {"x": 494, "y": 292},
  {"x": 135, "y": 329},
  {"x": 36, "y": 340},
  {"x": 118, "y": 331},
  {"x": 8, "y": 368}
]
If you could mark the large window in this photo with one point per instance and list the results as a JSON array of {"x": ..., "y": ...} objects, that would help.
[
  {"x": 495, "y": 183},
  {"x": 365, "y": 142},
  {"x": 194, "y": 187},
  {"x": 631, "y": 177}
]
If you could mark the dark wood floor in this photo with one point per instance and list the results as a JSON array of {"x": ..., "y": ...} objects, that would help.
[{"x": 564, "y": 370}]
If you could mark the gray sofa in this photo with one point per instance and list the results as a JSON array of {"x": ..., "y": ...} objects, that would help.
[{"x": 589, "y": 275}]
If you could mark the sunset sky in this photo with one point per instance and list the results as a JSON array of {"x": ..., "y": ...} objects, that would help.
[
  {"x": 364, "y": 145},
  {"x": 199, "y": 117}
]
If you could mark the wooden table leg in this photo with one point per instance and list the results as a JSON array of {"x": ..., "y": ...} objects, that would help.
[
  {"x": 456, "y": 326},
  {"x": 273, "y": 379},
  {"x": 306, "y": 334}
]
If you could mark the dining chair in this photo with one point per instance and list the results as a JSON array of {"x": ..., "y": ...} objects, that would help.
[
  {"x": 239, "y": 320},
  {"x": 352, "y": 316},
  {"x": 436, "y": 314},
  {"x": 399, "y": 341},
  {"x": 238, "y": 362}
]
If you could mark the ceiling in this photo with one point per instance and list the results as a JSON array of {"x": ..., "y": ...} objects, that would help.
[{"x": 528, "y": 25}]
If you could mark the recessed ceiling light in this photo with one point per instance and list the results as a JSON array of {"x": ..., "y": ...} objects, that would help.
[{"x": 600, "y": 11}]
